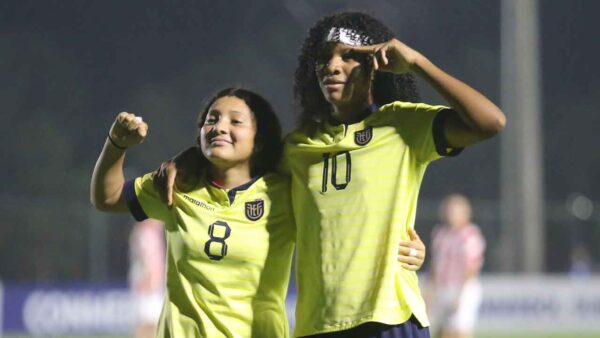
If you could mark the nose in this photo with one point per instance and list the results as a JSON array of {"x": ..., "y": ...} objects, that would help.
[
  {"x": 221, "y": 127},
  {"x": 333, "y": 65}
]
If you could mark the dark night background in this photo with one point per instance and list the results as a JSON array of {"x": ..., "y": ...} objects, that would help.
[{"x": 68, "y": 67}]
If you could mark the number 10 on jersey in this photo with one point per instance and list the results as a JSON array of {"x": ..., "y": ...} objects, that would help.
[{"x": 338, "y": 184}]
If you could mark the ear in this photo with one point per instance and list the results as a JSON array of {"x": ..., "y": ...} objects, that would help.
[{"x": 198, "y": 141}]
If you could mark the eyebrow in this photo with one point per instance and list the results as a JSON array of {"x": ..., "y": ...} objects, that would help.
[
  {"x": 214, "y": 110},
  {"x": 342, "y": 49},
  {"x": 217, "y": 111}
]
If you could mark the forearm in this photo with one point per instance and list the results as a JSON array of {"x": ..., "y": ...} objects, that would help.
[
  {"x": 480, "y": 117},
  {"x": 106, "y": 191}
]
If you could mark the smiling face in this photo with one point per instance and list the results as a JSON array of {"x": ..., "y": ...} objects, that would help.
[
  {"x": 227, "y": 133},
  {"x": 344, "y": 76}
]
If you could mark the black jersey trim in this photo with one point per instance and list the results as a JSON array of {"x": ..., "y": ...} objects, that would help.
[
  {"x": 376, "y": 329},
  {"x": 439, "y": 138},
  {"x": 132, "y": 201},
  {"x": 231, "y": 193}
]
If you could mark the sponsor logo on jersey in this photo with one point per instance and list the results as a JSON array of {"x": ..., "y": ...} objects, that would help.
[
  {"x": 362, "y": 137},
  {"x": 255, "y": 209},
  {"x": 199, "y": 203}
]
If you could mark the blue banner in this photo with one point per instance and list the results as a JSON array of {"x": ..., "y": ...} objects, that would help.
[{"x": 66, "y": 309}]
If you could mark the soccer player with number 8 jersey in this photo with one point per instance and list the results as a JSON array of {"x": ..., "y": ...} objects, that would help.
[{"x": 230, "y": 238}]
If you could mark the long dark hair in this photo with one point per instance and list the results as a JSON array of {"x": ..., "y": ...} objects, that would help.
[
  {"x": 267, "y": 142},
  {"x": 387, "y": 87}
]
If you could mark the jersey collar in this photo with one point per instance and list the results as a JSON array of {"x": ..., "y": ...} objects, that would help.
[{"x": 231, "y": 192}]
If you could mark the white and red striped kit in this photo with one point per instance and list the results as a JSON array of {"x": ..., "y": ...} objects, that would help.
[{"x": 453, "y": 252}]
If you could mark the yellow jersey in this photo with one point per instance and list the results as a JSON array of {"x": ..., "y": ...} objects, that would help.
[
  {"x": 354, "y": 195},
  {"x": 228, "y": 257}
]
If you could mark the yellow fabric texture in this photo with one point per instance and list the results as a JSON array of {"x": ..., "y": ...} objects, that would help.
[
  {"x": 227, "y": 264},
  {"x": 354, "y": 195}
]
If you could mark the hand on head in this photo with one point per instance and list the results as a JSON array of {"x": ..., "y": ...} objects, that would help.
[{"x": 392, "y": 56}]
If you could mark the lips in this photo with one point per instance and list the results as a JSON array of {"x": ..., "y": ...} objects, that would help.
[
  {"x": 332, "y": 85},
  {"x": 330, "y": 81},
  {"x": 219, "y": 141}
]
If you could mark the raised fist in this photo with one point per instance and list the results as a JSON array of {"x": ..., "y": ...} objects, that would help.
[{"x": 128, "y": 130}]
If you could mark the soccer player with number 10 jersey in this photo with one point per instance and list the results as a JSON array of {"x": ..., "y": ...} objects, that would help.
[{"x": 356, "y": 162}]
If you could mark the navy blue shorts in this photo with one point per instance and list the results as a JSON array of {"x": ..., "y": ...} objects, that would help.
[{"x": 409, "y": 329}]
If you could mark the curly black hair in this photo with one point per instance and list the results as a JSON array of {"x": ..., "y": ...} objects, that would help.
[
  {"x": 268, "y": 146},
  {"x": 387, "y": 87}
]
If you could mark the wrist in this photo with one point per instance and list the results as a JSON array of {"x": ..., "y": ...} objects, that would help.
[
  {"x": 419, "y": 63},
  {"x": 115, "y": 144}
]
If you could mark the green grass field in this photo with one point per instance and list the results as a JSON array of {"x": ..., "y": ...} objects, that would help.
[{"x": 537, "y": 335}]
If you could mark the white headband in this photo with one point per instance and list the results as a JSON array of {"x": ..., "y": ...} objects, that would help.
[{"x": 348, "y": 36}]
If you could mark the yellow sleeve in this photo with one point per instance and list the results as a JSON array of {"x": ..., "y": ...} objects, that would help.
[
  {"x": 143, "y": 200},
  {"x": 422, "y": 127}
]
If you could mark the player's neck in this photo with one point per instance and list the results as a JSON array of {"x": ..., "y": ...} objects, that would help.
[
  {"x": 352, "y": 113},
  {"x": 230, "y": 177},
  {"x": 459, "y": 226}
]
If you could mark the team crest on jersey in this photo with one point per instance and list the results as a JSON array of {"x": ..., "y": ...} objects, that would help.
[
  {"x": 255, "y": 209},
  {"x": 362, "y": 137}
]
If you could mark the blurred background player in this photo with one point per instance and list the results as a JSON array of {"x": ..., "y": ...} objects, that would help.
[
  {"x": 147, "y": 274},
  {"x": 457, "y": 252},
  {"x": 581, "y": 262}
]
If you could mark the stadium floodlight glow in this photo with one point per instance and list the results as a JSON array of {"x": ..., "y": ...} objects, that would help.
[{"x": 580, "y": 206}]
